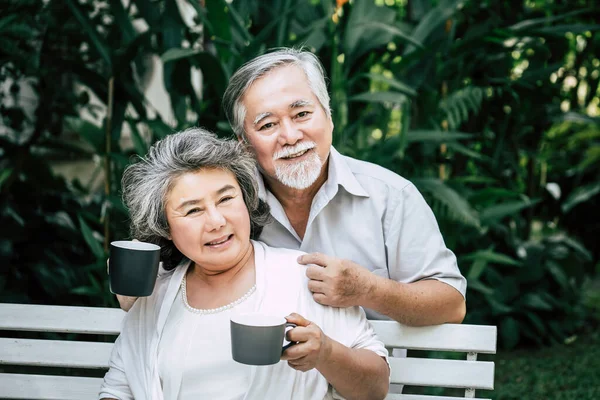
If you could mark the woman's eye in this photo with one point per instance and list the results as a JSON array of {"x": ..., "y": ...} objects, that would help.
[
  {"x": 225, "y": 199},
  {"x": 192, "y": 211}
]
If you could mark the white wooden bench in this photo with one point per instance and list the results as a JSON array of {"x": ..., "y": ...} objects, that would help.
[{"x": 468, "y": 374}]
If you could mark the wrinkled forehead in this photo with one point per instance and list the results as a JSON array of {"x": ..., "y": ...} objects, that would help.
[{"x": 286, "y": 86}]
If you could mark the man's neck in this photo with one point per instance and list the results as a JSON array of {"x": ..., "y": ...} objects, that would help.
[{"x": 296, "y": 203}]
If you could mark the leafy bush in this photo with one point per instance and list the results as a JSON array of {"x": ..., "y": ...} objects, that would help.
[{"x": 473, "y": 101}]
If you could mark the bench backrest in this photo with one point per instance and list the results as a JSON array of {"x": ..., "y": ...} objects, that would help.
[{"x": 469, "y": 374}]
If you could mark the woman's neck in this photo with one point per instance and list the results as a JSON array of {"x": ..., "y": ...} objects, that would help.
[{"x": 240, "y": 270}]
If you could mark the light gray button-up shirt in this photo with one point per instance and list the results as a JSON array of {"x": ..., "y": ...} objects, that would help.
[{"x": 374, "y": 217}]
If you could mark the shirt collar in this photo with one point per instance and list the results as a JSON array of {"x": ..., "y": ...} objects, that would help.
[{"x": 339, "y": 173}]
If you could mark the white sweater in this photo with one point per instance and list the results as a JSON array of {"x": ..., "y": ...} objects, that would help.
[{"x": 281, "y": 288}]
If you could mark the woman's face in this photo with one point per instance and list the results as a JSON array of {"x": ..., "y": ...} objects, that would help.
[{"x": 208, "y": 219}]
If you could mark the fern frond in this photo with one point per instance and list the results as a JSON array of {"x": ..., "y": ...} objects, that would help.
[
  {"x": 457, "y": 106},
  {"x": 447, "y": 202}
]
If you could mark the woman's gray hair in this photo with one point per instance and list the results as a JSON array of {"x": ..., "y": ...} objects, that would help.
[
  {"x": 147, "y": 183},
  {"x": 254, "y": 69}
]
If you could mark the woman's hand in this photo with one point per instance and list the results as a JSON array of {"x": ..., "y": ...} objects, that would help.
[
  {"x": 312, "y": 345},
  {"x": 126, "y": 302}
]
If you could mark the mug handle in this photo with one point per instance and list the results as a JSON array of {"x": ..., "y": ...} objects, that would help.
[{"x": 288, "y": 326}]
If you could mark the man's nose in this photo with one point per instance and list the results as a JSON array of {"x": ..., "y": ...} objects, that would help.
[
  {"x": 289, "y": 133},
  {"x": 215, "y": 219}
]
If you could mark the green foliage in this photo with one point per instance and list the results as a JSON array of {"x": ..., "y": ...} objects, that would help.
[{"x": 471, "y": 100}]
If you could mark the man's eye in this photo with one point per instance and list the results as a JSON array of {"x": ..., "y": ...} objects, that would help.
[
  {"x": 267, "y": 126},
  {"x": 302, "y": 114}
]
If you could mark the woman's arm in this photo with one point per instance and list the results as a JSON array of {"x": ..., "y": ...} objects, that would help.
[
  {"x": 126, "y": 302},
  {"x": 115, "y": 385},
  {"x": 354, "y": 373}
]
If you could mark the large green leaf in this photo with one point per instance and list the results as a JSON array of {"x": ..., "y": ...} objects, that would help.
[
  {"x": 149, "y": 11},
  {"x": 218, "y": 15},
  {"x": 455, "y": 203},
  {"x": 536, "y": 22},
  {"x": 212, "y": 68},
  {"x": 581, "y": 195},
  {"x": 464, "y": 150},
  {"x": 496, "y": 212},
  {"x": 361, "y": 37},
  {"x": 5, "y": 173},
  {"x": 434, "y": 19},
  {"x": 380, "y": 97},
  {"x": 535, "y": 301},
  {"x": 493, "y": 257},
  {"x": 476, "y": 269},
  {"x": 140, "y": 146},
  {"x": 158, "y": 128},
  {"x": 88, "y": 236},
  {"x": 123, "y": 20},
  {"x": 91, "y": 133},
  {"x": 476, "y": 285},
  {"x": 90, "y": 29},
  {"x": 420, "y": 136},
  {"x": 390, "y": 29},
  {"x": 394, "y": 83},
  {"x": 561, "y": 30}
]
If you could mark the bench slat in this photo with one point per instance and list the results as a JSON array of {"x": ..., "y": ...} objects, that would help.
[
  {"x": 40, "y": 318},
  {"x": 447, "y": 337},
  {"x": 423, "y": 397},
  {"x": 48, "y": 387},
  {"x": 442, "y": 373},
  {"x": 54, "y": 353}
]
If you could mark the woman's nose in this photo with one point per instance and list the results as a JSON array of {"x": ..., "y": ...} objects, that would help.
[{"x": 215, "y": 219}]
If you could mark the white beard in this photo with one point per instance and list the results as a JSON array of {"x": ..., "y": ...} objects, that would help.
[{"x": 299, "y": 175}]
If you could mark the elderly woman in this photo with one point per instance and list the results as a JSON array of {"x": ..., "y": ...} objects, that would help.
[{"x": 196, "y": 197}]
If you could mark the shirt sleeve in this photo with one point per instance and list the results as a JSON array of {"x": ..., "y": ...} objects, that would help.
[
  {"x": 352, "y": 329},
  {"x": 115, "y": 385},
  {"x": 414, "y": 243}
]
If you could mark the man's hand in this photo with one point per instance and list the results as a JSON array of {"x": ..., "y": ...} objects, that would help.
[
  {"x": 313, "y": 345},
  {"x": 337, "y": 282}
]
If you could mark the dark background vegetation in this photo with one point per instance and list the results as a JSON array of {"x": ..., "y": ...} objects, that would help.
[{"x": 490, "y": 107}]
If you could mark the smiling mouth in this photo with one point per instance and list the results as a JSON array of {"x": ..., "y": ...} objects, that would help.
[
  {"x": 295, "y": 155},
  {"x": 219, "y": 241}
]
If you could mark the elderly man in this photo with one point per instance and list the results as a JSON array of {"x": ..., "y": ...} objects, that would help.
[{"x": 372, "y": 239}]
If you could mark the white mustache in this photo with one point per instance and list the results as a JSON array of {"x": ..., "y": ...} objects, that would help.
[{"x": 288, "y": 151}]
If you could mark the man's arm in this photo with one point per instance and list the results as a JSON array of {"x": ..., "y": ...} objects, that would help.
[
  {"x": 343, "y": 283},
  {"x": 354, "y": 373},
  {"x": 427, "y": 302}
]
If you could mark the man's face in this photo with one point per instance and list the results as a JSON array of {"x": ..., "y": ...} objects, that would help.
[{"x": 287, "y": 127}]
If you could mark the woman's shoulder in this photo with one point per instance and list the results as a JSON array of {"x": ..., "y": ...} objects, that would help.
[
  {"x": 278, "y": 260},
  {"x": 287, "y": 256}
]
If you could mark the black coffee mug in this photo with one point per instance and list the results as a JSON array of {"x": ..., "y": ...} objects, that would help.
[
  {"x": 257, "y": 339},
  {"x": 133, "y": 268}
]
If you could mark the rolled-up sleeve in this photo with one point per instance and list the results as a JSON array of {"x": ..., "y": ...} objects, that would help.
[
  {"x": 414, "y": 243},
  {"x": 115, "y": 385}
]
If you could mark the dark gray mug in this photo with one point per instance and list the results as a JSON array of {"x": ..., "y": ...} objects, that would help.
[
  {"x": 133, "y": 267},
  {"x": 257, "y": 339}
]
